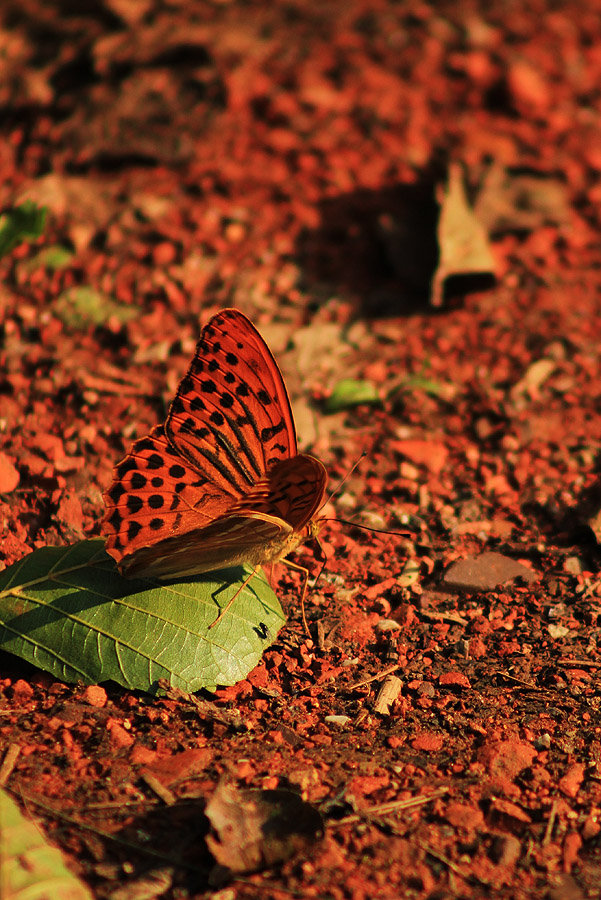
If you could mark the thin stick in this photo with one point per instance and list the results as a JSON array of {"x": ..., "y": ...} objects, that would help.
[
  {"x": 377, "y": 677},
  {"x": 383, "y": 809},
  {"x": 8, "y": 763},
  {"x": 159, "y": 789},
  {"x": 550, "y": 824},
  {"x": 578, "y": 663}
]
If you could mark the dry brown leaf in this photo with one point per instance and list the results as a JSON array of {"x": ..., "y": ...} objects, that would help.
[
  {"x": 510, "y": 202},
  {"x": 462, "y": 239},
  {"x": 257, "y": 829}
]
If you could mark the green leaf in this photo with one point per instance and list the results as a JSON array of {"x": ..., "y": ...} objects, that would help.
[
  {"x": 83, "y": 306},
  {"x": 411, "y": 383},
  {"x": 348, "y": 393},
  {"x": 68, "y": 611},
  {"x": 29, "y": 867},
  {"x": 22, "y": 222},
  {"x": 53, "y": 257}
]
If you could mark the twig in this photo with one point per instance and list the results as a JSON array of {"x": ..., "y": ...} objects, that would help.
[
  {"x": 550, "y": 824},
  {"x": 466, "y": 876},
  {"x": 377, "y": 677},
  {"x": 578, "y": 663},
  {"x": 160, "y": 790},
  {"x": 526, "y": 684},
  {"x": 12, "y": 754},
  {"x": 442, "y": 617},
  {"x": 388, "y": 693},
  {"x": 383, "y": 809}
]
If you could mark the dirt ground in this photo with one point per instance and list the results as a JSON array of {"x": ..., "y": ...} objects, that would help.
[{"x": 285, "y": 158}]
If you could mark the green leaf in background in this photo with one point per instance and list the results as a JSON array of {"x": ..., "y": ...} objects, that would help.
[
  {"x": 411, "y": 383},
  {"x": 54, "y": 257},
  {"x": 348, "y": 393},
  {"x": 18, "y": 224},
  {"x": 29, "y": 867},
  {"x": 68, "y": 611},
  {"x": 79, "y": 307}
]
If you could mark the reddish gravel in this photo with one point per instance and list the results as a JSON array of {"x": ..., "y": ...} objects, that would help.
[{"x": 283, "y": 158}]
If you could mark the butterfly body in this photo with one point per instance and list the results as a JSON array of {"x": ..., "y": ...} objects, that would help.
[{"x": 221, "y": 482}]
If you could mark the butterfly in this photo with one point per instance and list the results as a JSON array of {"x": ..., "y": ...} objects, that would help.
[{"x": 221, "y": 482}]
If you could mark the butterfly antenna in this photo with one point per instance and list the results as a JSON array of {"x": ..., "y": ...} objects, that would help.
[
  {"x": 367, "y": 528},
  {"x": 345, "y": 522},
  {"x": 356, "y": 524},
  {"x": 325, "y": 559},
  {"x": 346, "y": 477}
]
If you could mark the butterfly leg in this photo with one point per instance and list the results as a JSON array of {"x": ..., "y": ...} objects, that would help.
[
  {"x": 305, "y": 575},
  {"x": 231, "y": 600},
  {"x": 324, "y": 563}
]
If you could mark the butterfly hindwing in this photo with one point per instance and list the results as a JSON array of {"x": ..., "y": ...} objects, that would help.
[
  {"x": 292, "y": 490},
  {"x": 229, "y": 541}
]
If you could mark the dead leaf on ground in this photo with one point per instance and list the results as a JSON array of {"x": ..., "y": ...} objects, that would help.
[
  {"x": 258, "y": 829},
  {"x": 463, "y": 242},
  {"x": 508, "y": 202},
  {"x": 86, "y": 204}
]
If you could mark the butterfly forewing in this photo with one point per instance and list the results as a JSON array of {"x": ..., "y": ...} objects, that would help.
[
  {"x": 154, "y": 494},
  {"x": 231, "y": 415}
]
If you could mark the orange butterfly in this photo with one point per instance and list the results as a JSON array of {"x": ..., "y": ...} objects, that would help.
[{"x": 221, "y": 483}]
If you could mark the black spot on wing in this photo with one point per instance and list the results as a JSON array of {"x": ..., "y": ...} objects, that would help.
[
  {"x": 116, "y": 492},
  {"x": 128, "y": 465},
  {"x": 133, "y": 529},
  {"x": 134, "y": 503}
]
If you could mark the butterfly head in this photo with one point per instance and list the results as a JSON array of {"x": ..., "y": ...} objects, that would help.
[{"x": 314, "y": 528}]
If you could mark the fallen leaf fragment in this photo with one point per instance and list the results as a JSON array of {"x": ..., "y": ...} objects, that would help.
[
  {"x": 535, "y": 376},
  {"x": 349, "y": 393},
  {"x": 510, "y": 202},
  {"x": 257, "y": 829},
  {"x": 30, "y": 866},
  {"x": 462, "y": 239},
  {"x": 24, "y": 221},
  {"x": 152, "y": 884}
]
